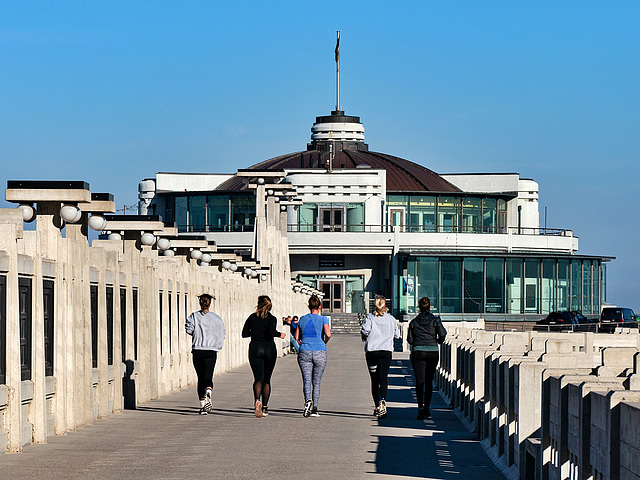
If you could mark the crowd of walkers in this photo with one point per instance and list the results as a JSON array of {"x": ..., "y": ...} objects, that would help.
[{"x": 309, "y": 336}]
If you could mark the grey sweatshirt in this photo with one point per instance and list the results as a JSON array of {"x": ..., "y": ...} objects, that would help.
[
  {"x": 380, "y": 332},
  {"x": 207, "y": 330}
]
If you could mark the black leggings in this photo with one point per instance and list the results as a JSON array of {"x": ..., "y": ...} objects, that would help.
[
  {"x": 204, "y": 361},
  {"x": 262, "y": 358},
  {"x": 424, "y": 367},
  {"x": 378, "y": 363}
]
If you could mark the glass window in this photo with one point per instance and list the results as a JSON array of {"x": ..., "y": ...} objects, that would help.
[
  {"x": 514, "y": 285},
  {"x": 586, "y": 286},
  {"x": 451, "y": 285},
  {"x": 243, "y": 212},
  {"x": 502, "y": 216},
  {"x": 422, "y": 214},
  {"x": 471, "y": 214},
  {"x": 427, "y": 280},
  {"x": 355, "y": 217},
  {"x": 181, "y": 213},
  {"x": 603, "y": 283},
  {"x": 576, "y": 285},
  {"x": 564, "y": 273},
  {"x": 197, "y": 213},
  {"x": 596, "y": 288},
  {"x": 531, "y": 285},
  {"x": 448, "y": 214},
  {"x": 495, "y": 285},
  {"x": 473, "y": 285},
  {"x": 398, "y": 201},
  {"x": 218, "y": 212},
  {"x": 407, "y": 287},
  {"x": 489, "y": 214},
  {"x": 308, "y": 217},
  {"x": 548, "y": 285}
]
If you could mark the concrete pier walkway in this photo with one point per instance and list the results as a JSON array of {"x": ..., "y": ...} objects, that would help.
[{"x": 167, "y": 439}]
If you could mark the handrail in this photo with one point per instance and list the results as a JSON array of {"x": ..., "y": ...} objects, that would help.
[{"x": 377, "y": 228}]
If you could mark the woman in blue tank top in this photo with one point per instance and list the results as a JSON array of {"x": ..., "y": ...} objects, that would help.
[{"x": 313, "y": 333}]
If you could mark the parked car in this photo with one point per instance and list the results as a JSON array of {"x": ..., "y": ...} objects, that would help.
[
  {"x": 613, "y": 317},
  {"x": 565, "y": 321}
]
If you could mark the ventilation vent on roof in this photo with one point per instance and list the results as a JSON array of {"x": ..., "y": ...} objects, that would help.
[{"x": 363, "y": 165}]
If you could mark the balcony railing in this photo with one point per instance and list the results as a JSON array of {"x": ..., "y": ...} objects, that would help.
[
  {"x": 308, "y": 227},
  {"x": 215, "y": 228}
]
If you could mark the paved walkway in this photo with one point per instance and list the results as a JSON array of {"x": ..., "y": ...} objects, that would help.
[{"x": 167, "y": 439}]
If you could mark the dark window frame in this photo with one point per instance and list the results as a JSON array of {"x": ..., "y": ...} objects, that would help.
[
  {"x": 123, "y": 323},
  {"x": 26, "y": 326},
  {"x": 109, "y": 305},
  {"x": 94, "y": 325},
  {"x": 48, "y": 300},
  {"x": 134, "y": 300},
  {"x": 3, "y": 329}
]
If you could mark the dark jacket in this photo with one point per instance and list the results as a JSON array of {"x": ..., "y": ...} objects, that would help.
[{"x": 426, "y": 330}]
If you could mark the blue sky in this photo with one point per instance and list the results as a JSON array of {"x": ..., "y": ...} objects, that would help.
[{"x": 113, "y": 92}]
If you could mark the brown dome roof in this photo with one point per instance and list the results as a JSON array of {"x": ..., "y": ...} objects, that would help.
[{"x": 402, "y": 175}]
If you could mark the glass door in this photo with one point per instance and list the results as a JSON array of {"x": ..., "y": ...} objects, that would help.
[{"x": 332, "y": 302}]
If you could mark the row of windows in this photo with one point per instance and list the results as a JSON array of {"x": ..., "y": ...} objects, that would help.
[
  {"x": 211, "y": 213},
  {"x": 502, "y": 285},
  {"x": 436, "y": 213},
  {"x": 25, "y": 289},
  {"x": 416, "y": 213}
]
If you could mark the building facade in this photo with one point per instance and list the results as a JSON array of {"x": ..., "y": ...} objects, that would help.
[{"x": 361, "y": 223}]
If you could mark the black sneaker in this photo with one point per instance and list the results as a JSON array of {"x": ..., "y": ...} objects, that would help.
[
  {"x": 203, "y": 411},
  {"x": 308, "y": 405},
  {"x": 420, "y": 414},
  {"x": 314, "y": 412}
]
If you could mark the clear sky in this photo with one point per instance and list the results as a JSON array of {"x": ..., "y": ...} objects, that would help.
[{"x": 113, "y": 92}]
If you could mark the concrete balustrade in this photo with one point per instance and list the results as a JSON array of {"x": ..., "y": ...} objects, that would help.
[
  {"x": 548, "y": 405},
  {"x": 116, "y": 309}
]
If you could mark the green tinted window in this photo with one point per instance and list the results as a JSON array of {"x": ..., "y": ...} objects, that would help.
[
  {"x": 473, "y": 285},
  {"x": 495, "y": 285}
]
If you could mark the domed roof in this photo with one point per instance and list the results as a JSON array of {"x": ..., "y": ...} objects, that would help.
[{"x": 345, "y": 135}]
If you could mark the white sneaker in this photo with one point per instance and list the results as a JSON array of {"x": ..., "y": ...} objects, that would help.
[
  {"x": 308, "y": 405},
  {"x": 208, "y": 407},
  {"x": 314, "y": 412}
]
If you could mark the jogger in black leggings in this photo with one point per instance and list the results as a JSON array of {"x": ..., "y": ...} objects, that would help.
[
  {"x": 425, "y": 334},
  {"x": 261, "y": 327},
  {"x": 424, "y": 367},
  {"x": 378, "y": 331},
  {"x": 207, "y": 330}
]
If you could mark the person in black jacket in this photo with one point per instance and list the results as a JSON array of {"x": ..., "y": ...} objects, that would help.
[
  {"x": 425, "y": 334},
  {"x": 261, "y": 327}
]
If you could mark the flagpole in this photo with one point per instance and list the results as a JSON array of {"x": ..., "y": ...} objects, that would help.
[{"x": 337, "y": 52}]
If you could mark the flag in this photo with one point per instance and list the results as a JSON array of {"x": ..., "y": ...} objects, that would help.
[{"x": 337, "y": 52}]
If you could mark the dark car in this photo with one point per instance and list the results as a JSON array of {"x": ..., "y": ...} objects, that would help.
[
  {"x": 613, "y": 317},
  {"x": 572, "y": 321}
]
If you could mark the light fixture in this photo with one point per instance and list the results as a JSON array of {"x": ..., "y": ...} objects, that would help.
[
  {"x": 269, "y": 192},
  {"x": 196, "y": 254},
  {"x": 263, "y": 277},
  {"x": 233, "y": 267},
  {"x": 28, "y": 212},
  {"x": 168, "y": 253},
  {"x": 296, "y": 289},
  {"x": 114, "y": 236},
  {"x": 254, "y": 274},
  {"x": 283, "y": 208},
  {"x": 260, "y": 181},
  {"x": 97, "y": 222},
  {"x": 148, "y": 238},
  {"x": 247, "y": 271},
  {"x": 70, "y": 213},
  {"x": 164, "y": 244},
  {"x": 206, "y": 258},
  {"x": 226, "y": 265}
]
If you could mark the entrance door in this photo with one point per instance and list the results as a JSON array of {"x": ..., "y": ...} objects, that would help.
[
  {"x": 332, "y": 301},
  {"x": 396, "y": 217},
  {"x": 331, "y": 219}
]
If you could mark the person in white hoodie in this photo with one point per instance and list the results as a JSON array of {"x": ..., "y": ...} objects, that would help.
[
  {"x": 378, "y": 331},
  {"x": 207, "y": 332}
]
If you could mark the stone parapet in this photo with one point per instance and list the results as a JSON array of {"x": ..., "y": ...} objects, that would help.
[{"x": 529, "y": 396}]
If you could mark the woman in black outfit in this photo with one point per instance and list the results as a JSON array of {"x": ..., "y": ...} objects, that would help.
[
  {"x": 261, "y": 327},
  {"x": 425, "y": 334}
]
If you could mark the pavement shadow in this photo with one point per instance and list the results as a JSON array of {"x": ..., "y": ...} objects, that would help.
[{"x": 407, "y": 447}]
